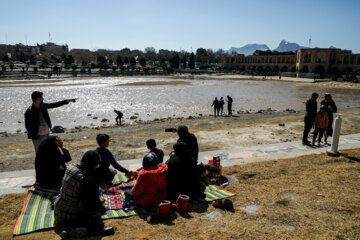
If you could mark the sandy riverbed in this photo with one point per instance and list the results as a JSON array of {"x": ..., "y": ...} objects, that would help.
[{"x": 128, "y": 142}]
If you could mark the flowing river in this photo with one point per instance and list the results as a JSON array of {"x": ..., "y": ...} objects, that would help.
[{"x": 98, "y": 97}]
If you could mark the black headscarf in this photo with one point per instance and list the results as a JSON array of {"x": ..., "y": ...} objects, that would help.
[
  {"x": 90, "y": 160},
  {"x": 181, "y": 149}
]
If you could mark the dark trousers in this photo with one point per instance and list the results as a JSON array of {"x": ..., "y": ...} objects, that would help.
[
  {"x": 118, "y": 120},
  {"x": 229, "y": 109},
  {"x": 307, "y": 129},
  {"x": 319, "y": 131},
  {"x": 128, "y": 193}
]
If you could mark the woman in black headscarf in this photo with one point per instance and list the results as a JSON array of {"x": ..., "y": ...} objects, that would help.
[
  {"x": 182, "y": 176},
  {"x": 50, "y": 163},
  {"x": 330, "y": 108},
  {"x": 190, "y": 139}
]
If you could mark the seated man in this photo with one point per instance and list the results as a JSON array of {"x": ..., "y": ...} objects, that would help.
[
  {"x": 50, "y": 163},
  {"x": 150, "y": 187},
  {"x": 151, "y": 145},
  {"x": 107, "y": 158},
  {"x": 78, "y": 205}
]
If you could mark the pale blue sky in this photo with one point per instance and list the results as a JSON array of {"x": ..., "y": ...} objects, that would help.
[{"x": 182, "y": 24}]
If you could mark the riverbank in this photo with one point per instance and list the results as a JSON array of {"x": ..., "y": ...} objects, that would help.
[
  {"x": 307, "y": 197},
  {"x": 213, "y": 133}
]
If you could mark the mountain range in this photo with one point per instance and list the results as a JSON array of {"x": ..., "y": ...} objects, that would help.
[{"x": 249, "y": 49}]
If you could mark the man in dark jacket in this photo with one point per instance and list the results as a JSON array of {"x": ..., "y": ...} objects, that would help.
[
  {"x": 311, "y": 111},
  {"x": 190, "y": 140},
  {"x": 37, "y": 119},
  {"x": 216, "y": 106},
  {"x": 229, "y": 105}
]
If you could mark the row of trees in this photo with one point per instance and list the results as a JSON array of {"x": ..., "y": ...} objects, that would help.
[
  {"x": 203, "y": 58},
  {"x": 150, "y": 57}
]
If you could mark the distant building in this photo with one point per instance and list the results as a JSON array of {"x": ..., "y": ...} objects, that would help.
[
  {"x": 83, "y": 56},
  {"x": 14, "y": 51},
  {"x": 53, "y": 49},
  {"x": 325, "y": 61},
  {"x": 305, "y": 63}
]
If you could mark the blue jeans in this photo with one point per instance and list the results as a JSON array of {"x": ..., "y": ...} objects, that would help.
[
  {"x": 128, "y": 193},
  {"x": 37, "y": 141}
]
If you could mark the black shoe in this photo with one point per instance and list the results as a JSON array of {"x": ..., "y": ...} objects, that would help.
[
  {"x": 307, "y": 143},
  {"x": 212, "y": 168},
  {"x": 103, "y": 230},
  {"x": 107, "y": 230}
]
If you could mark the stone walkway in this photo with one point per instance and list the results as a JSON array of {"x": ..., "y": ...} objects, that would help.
[{"x": 20, "y": 181}]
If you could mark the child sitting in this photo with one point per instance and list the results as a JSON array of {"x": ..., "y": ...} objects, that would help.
[
  {"x": 151, "y": 145},
  {"x": 106, "y": 173},
  {"x": 150, "y": 187},
  {"x": 320, "y": 124}
]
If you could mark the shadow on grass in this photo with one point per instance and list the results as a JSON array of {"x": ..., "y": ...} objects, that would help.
[{"x": 355, "y": 159}]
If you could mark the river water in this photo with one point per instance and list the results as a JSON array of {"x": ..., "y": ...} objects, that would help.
[{"x": 100, "y": 96}]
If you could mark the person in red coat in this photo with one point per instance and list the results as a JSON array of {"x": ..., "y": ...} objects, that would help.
[{"x": 150, "y": 187}]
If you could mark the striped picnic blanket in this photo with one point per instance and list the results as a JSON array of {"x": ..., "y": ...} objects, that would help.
[
  {"x": 214, "y": 192},
  {"x": 37, "y": 213},
  {"x": 121, "y": 180},
  {"x": 113, "y": 197}
]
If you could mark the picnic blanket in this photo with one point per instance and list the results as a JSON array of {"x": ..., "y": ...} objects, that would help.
[
  {"x": 214, "y": 192},
  {"x": 113, "y": 197},
  {"x": 37, "y": 213}
]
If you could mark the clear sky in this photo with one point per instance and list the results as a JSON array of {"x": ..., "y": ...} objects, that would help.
[{"x": 181, "y": 25}]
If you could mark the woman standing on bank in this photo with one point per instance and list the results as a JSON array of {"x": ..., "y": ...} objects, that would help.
[{"x": 330, "y": 108}]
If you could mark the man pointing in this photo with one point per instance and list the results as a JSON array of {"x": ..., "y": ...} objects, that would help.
[{"x": 37, "y": 119}]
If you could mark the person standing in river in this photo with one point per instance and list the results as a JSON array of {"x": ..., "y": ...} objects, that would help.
[
  {"x": 221, "y": 105},
  {"x": 229, "y": 105},
  {"x": 216, "y": 106},
  {"x": 330, "y": 108},
  {"x": 118, "y": 117},
  {"x": 311, "y": 111},
  {"x": 37, "y": 119}
]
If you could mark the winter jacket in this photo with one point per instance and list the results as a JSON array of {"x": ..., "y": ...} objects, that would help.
[
  {"x": 331, "y": 104},
  {"x": 150, "y": 187},
  {"x": 311, "y": 110},
  {"x": 79, "y": 196},
  {"x": 32, "y": 118},
  {"x": 321, "y": 120}
]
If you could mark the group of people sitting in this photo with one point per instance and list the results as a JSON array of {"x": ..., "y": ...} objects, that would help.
[{"x": 77, "y": 206}]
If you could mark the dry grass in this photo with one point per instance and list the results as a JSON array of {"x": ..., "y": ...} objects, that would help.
[
  {"x": 16, "y": 146},
  {"x": 327, "y": 207},
  {"x": 153, "y": 83}
]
